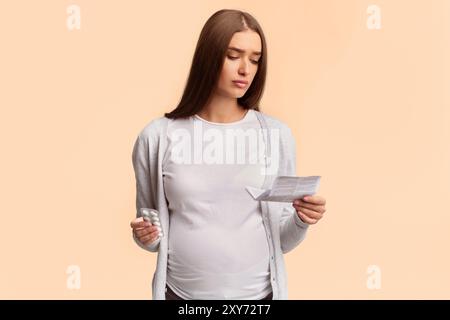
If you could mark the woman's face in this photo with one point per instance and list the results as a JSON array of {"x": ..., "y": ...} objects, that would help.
[{"x": 241, "y": 63}]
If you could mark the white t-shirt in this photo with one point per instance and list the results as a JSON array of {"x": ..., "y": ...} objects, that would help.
[{"x": 218, "y": 246}]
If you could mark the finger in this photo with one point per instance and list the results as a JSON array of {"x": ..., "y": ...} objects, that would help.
[
  {"x": 150, "y": 241},
  {"x": 310, "y": 213},
  {"x": 146, "y": 231},
  {"x": 140, "y": 224},
  {"x": 135, "y": 222},
  {"x": 143, "y": 226},
  {"x": 148, "y": 238},
  {"x": 310, "y": 206},
  {"x": 315, "y": 199},
  {"x": 143, "y": 232},
  {"x": 152, "y": 236},
  {"x": 306, "y": 219}
]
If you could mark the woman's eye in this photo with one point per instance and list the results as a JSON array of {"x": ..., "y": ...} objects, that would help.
[{"x": 234, "y": 58}]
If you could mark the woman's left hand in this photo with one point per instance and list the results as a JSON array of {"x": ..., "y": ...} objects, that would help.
[{"x": 310, "y": 209}]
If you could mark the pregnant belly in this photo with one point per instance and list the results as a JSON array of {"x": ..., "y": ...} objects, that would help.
[{"x": 215, "y": 249}]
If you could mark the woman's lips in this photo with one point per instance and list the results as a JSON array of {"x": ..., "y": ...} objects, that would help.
[{"x": 240, "y": 84}]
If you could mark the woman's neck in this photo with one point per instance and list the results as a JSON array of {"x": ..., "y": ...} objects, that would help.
[{"x": 222, "y": 111}]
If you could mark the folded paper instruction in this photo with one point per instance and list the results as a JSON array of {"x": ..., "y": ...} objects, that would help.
[{"x": 286, "y": 189}]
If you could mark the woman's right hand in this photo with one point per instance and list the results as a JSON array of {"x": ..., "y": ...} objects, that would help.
[{"x": 144, "y": 230}]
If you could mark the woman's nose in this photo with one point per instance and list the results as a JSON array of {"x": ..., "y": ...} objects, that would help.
[{"x": 244, "y": 67}]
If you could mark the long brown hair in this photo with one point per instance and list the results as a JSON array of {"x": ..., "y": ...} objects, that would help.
[{"x": 208, "y": 61}]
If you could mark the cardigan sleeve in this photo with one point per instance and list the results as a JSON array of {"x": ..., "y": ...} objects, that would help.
[
  {"x": 292, "y": 228},
  {"x": 144, "y": 165}
]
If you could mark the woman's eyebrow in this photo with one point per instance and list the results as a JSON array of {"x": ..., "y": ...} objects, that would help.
[{"x": 241, "y": 51}]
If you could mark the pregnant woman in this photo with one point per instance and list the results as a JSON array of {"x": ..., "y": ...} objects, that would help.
[{"x": 192, "y": 165}]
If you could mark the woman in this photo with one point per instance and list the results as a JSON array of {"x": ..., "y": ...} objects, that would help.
[{"x": 217, "y": 241}]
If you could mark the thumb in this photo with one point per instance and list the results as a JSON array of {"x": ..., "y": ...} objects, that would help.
[{"x": 136, "y": 221}]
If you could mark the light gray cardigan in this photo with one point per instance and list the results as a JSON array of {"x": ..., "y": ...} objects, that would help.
[{"x": 283, "y": 226}]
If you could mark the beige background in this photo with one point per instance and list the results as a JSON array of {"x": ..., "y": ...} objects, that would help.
[{"x": 370, "y": 110}]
